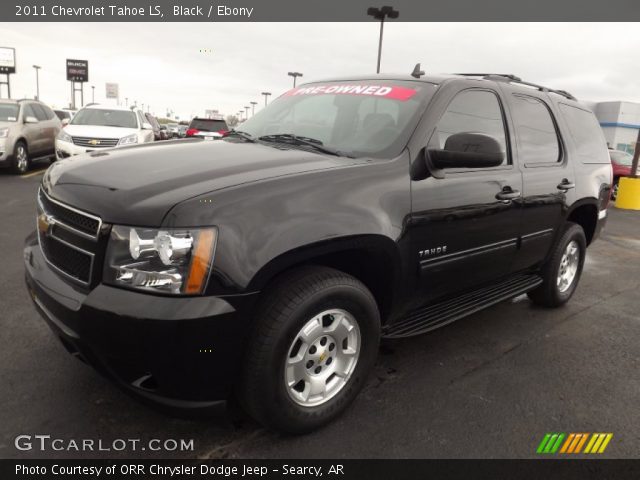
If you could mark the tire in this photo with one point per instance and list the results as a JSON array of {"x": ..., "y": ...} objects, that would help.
[
  {"x": 320, "y": 299},
  {"x": 21, "y": 162},
  {"x": 568, "y": 254}
]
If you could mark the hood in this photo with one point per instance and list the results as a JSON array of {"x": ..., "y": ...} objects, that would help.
[
  {"x": 98, "y": 131},
  {"x": 138, "y": 185}
]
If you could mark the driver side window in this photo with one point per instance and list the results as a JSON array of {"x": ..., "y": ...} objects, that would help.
[{"x": 472, "y": 111}]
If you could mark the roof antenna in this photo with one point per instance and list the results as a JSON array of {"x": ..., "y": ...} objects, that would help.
[{"x": 417, "y": 73}]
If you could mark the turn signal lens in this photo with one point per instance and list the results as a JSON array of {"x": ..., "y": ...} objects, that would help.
[{"x": 201, "y": 262}]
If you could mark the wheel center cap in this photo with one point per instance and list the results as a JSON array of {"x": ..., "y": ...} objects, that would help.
[{"x": 323, "y": 356}]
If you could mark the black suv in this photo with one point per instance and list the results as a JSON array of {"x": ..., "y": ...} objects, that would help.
[{"x": 268, "y": 265}]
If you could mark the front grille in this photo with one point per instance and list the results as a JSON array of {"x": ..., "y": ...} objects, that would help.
[
  {"x": 86, "y": 224},
  {"x": 73, "y": 262},
  {"x": 92, "y": 142},
  {"x": 68, "y": 238}
]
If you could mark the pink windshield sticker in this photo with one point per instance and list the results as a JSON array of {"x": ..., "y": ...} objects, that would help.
[{"x": 386, "y": 91}]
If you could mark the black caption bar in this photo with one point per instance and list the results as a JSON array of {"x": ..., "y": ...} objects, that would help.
[
  {"x": 316, "y": 11},
  {"x": 326, "y": 469}
]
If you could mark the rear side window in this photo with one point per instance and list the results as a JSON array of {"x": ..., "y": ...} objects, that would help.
[
  {"x": 41, "y": 114},
  {"x": 48, "y": 112},
  {"x": 472, "y": 111},
  {"x": 536, "y": 133},
  {"x": 586, "y": 133}
]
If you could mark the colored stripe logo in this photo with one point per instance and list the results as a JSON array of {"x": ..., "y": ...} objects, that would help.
[{"x": 574, "y": 443}]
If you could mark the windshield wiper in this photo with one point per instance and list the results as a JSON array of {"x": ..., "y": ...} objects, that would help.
[
  {"x": 309, "y": 142},
  {"x": 247, "y": 136}
]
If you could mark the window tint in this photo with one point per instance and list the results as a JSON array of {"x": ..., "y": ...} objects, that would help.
[
  {"x": 472, "y": 111},
  {"x": 28, "y": 111},
  {"x": 49, "y": 113},
  {"x": 587, "y": 134},
  {"x": 41, "y": 115},
  {"x": 535, "y": 131}
]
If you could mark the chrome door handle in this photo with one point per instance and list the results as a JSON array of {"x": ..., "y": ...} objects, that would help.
[{"x": 507, "y": 194}]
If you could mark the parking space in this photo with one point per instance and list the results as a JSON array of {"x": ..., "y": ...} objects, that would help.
[{"x": 487, "y": 386}]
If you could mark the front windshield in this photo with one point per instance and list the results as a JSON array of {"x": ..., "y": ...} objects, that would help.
[
  {"x": 8, "y": 112},
  {"x": 105, "y": 118},
  {"x": 622, "y": 158},
  {"x": 365, "y": 118}
]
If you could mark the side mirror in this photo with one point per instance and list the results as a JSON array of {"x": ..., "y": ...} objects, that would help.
[
  {"x": 147, "y": 126},
  {"x": 65, "y": 122},
  {"x": 468, "y": 150},
  {"x": 30, "y": 120}
]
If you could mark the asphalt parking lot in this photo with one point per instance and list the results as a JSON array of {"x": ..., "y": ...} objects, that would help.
[{"x": 488, "y": 386}]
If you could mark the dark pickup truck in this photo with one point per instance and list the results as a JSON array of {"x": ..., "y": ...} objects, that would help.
[{"x": 267, "y": 266}]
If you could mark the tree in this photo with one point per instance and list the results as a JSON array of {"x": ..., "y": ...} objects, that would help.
[{"x": 232, "y": 120}]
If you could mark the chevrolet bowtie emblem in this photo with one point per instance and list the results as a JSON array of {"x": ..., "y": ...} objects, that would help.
[
  {"x": 45, "y": 223},
  {"x": 94, "y": 142}
]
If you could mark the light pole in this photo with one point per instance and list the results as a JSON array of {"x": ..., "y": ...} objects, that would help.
[
  {"x": 126, "y": 101},
  {"x": 294, "y": 75},
  {"x": 253, "y": 108},
  {"x": 266, "y": 95},
  {"x": 93, "y": 93},
  {"x": 37, "y": 68},
  {"x": 246, "y": 111},
  {"x": 380, "y": 14}
]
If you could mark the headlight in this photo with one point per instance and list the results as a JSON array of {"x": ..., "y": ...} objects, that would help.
[
  {"x": 129, "y": 140},
  {"x": 175, "y": 261},
  {"x": 64, "y": 137}
]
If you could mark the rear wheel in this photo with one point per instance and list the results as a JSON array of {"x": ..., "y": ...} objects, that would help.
[
  {"x": 21, "y": 161},
  {"x": 614, "y": 189},
  {"x": 311, "y": 349},
  {"x": 561, "y": 273}
]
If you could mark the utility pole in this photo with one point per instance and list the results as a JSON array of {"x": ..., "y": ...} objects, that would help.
[
  {"x": 253, "y": 108},
  {"x": 93, "y": 94},
  {"x": 380, "y": 14},
  {"x": 266, "y": 95},
  {"x": 126, "y": 101},
  {"x": 294, "y": 75},
  {"x": 37, "y": 68}
]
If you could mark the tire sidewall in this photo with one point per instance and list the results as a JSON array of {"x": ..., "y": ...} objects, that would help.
[{"x": 364, "y": 311}]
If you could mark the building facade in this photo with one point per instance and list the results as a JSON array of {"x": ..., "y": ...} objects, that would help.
[{"x": 620, "y": 123}]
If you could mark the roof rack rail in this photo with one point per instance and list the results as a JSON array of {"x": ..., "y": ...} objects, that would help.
[{"x": 510, "y": 78}]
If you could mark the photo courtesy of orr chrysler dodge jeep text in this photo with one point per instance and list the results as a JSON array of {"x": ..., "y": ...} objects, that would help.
[{"x": 346, "y": 211}]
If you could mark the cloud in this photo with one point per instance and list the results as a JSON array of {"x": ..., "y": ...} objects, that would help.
[{"x": 190, "y": 67}]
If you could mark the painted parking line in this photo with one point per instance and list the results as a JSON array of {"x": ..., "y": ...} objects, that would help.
[{"x": 33, "y": 174}]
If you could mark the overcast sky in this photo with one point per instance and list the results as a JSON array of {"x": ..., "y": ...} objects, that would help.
[{"x": 161, "y": 65}]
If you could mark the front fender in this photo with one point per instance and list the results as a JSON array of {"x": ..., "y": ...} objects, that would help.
[{"x": 297, "y": 214}]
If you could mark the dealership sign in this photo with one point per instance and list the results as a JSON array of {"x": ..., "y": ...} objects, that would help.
[
  {"x": 384, "y": 91},
  {"x": 77, "y": 70},
  {"x": 112, "y": 90},
  {"x": 7, "y": 60}
]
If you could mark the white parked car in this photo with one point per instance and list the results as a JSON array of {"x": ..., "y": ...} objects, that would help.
[{"x": 102, "y": 126}]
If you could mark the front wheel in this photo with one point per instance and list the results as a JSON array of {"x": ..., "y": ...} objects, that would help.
[
  {"x": 562, "y": 271},
  {"x": 311, "y": 349}
]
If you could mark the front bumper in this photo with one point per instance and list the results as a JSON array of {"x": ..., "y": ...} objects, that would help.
[{"x": 180, "y": 352}]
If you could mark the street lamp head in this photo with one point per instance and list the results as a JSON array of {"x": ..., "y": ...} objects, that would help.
[
  {"x": 266, "y": 93},
  {"x": 382, "y": 13},
  {"x": 253, "y": 103},
  {"x": 37, "y": 67},
  {"x": 294, "y": 74}
]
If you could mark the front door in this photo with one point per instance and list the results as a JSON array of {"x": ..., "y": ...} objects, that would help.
[{"x": 464, "y": 227}]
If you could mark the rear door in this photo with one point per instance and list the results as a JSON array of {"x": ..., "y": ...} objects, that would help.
[
  {"x": 463, "y": 235},
  {"x": 33, "y": 131},
  {"x": 548, "y": 177}
]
